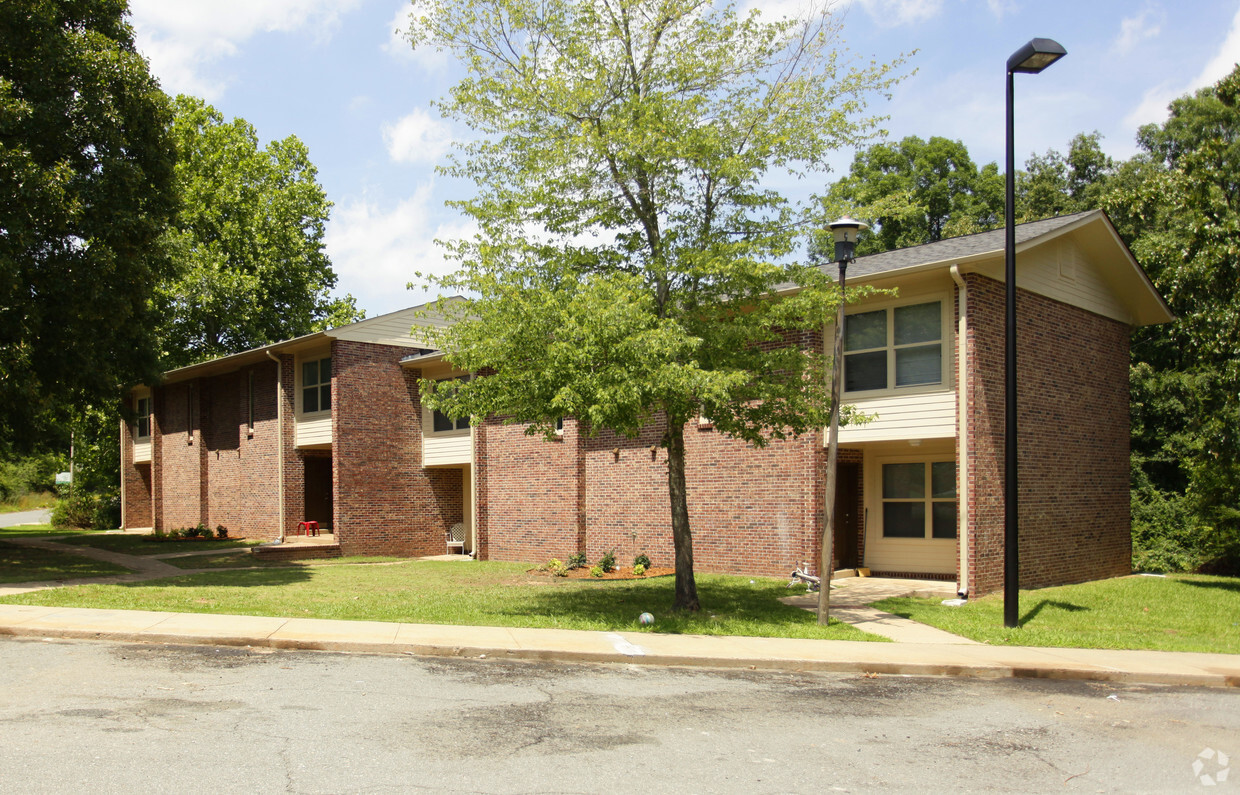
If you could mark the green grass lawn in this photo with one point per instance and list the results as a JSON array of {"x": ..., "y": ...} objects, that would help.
[
  {"x": 475, "y": 593},
  {"x": 28, "y": 564},
  {"x": 39, "y": 530},
  {"x": 1177, "y": 613}
]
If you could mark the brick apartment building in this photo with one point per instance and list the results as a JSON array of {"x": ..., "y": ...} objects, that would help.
[{"x": 330, "y": 427}]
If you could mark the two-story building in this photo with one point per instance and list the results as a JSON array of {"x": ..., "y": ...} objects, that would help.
[{"x": 330, "y": 427}]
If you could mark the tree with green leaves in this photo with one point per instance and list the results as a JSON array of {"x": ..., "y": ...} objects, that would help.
[
  {"x": 628, "y": 257},
  {"x": 916, "y": 192},
  {"x": 86, "y": 190},
  {"x": 247, "y": 241},
  {"x": 1184, "y": 208},
  {"x": 1057, "y": 184}
]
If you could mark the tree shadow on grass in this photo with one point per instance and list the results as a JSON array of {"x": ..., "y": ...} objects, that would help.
[
  {"x": 230, "y": 578},
  {"x": 1044, "y": 603},
  {"x": 1229, "y": 584},
  {"x": 729, "y": 606}
]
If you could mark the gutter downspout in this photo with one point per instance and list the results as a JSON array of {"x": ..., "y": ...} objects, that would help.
[
  {"x": 279, "y": 433},
  {"x": 962, "y": 451}
]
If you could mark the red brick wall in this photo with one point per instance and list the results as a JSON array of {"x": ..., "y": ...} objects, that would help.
[
  {"x": 179, "y": 465},
  {"x": 1072, "y": 378},
  {"x": 529, "y": 494},
  {"x": 138, "y": 505},
  {"x": 751, "y": 511},
  {"x": 385, "y": 502},
  {"x": 241, "y": 468}
]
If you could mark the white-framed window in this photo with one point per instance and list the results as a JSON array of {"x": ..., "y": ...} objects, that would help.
[
  {"x": 559, "y": 426},
  {"x": 316, "y": 385},
  {"x": 896, "y": 347},
  {"x": 142, "y": 418},
  {"x": 919, "y": 499}
]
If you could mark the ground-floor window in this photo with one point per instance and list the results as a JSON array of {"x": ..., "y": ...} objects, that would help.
[{"x": 919, "y": 499}]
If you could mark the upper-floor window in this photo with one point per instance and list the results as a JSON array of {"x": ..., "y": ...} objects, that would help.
[
  {"x": 442, "y": 423},
  {"x": 142, "y": 419},
  {"x": 316, "y": 385},
  {"x": 901, "y": 346}
]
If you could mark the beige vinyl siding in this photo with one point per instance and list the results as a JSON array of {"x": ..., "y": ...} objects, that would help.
[
  {"x": 1060, "y": 270},
  {"x": 450, "y": 447},
  {"x": 315, "y": 428},
  {"x": 314, "y": 431},
  {"x": 390, "y": 329},
  {"x": 919, "y": 415},
  {"x": 915, "y": 555}
]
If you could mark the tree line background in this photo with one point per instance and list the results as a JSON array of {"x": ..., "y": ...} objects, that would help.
[{"x": 141, "y": 232}]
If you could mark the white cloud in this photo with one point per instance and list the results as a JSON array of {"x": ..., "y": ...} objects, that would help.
[
  {"x": 1135, "y": 29},
  {"x": 417, "y": 138},
  {"x": 377, "y": 250},
  {"x": 182, "y": 37},
  {"x": 398, "y": 46},
  {"x": 1153, "y": 106},
  {"x": 1000, "y": 8},
  {"x": 893, "y": 13}
]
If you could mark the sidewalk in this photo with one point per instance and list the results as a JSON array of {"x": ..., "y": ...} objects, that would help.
[{"x": 770, "y": 654}]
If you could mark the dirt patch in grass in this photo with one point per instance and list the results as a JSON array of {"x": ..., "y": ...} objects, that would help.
[{"x": 618, "y": 574}]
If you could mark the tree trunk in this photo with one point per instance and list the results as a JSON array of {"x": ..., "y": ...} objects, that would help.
[{"x": 682, "y": 538}]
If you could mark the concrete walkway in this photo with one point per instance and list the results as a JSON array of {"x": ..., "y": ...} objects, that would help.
[{"x": 851, "y": 598}]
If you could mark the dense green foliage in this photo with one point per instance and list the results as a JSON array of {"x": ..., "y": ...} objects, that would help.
[
  {"x": 1182, "y": 202},
  {"x": 628, "y": 252},
  {"x": 247, "y": 241},
  {"x": 85, "y": 195},
  {"x": 916, "y": 191}
]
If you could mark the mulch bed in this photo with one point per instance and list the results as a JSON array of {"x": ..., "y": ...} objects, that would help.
[{"x": 619, "y": 574}]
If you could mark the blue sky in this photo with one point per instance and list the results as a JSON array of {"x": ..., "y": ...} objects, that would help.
[{"x": 333, "y": 73}]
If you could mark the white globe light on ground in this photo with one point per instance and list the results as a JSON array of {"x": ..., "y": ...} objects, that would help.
[{"x": 646, "y": 618}]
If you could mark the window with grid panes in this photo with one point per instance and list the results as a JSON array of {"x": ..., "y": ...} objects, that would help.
[
  {"x": 919, "y": 500},
  {"x": 316, "y": 385},
  {"x": 900, "y": 346}
]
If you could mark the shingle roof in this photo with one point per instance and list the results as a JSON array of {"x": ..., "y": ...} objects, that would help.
[{"x": 955, "y": 248}]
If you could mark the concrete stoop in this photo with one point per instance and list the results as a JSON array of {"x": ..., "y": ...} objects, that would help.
[{"x": 297, "y": 551}]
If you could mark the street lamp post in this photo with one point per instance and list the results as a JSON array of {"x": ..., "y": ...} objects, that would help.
[
  {"x": 845, "y": 232},
  {"x": 1029, "y": 59}
]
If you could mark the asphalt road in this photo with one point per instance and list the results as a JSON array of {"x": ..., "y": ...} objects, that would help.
[{"x": 81, "y": 716}]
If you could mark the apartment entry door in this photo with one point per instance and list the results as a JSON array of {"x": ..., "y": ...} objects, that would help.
[
  {"x": 847, "y": 531},
  {"x": 319, "y": 491}
]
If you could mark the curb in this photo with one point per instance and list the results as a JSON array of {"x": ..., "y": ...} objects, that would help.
[{"x": 573, "y": 646}]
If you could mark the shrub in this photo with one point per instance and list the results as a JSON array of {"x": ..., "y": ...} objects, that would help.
[
  {"x": 576, "y": 561},
  {"x": 88, "y": 511},
  {"x": 608, "y": 562},
  {"x": 158, "y": 534},
  {"x": 638, "y": 569},
  {"x": 221, "y": 531},
  {"x": 192, "y": 532},
  {"x": 642, "y": 560},
  {"x": 558, "y": 569},
  {"x": 596, "y": 571},
  {"x": 551, "y": 564},
  {"x": 1166, "y": 534},
  {"x": 175, "y": 533}
]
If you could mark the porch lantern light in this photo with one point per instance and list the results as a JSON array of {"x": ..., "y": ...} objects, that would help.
[
  {"x": 845, "y": 232},
  {"x": 1029, "y": 59}
]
